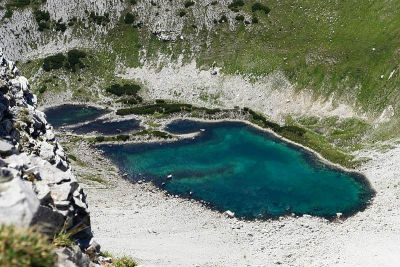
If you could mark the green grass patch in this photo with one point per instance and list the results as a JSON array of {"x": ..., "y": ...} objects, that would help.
[
  {"x": 72, "y": 157},
  {"x": 93, "y": 178},
  {"x": 305, "y": 137},
  {"x": 24, "y": 247},
  {"x": 155, "y": 133},
  {"x": 118, "y": 262},
  {"x": 349, "y": 134}
]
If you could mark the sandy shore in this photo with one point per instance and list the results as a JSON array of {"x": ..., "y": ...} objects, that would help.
[{"x": 139, "y": 220}]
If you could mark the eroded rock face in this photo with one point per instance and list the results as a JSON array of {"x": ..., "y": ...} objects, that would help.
[
  {"x": 160, "y": 17},
  {"x": 37, "y": 186}
]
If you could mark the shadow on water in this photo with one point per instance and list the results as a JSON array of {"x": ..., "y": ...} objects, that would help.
[
  {"x": 70, "y": 114},
  {"x": 233, "y": 166}
]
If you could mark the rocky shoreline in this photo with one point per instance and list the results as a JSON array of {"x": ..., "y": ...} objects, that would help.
[
  {"x": 37, "y": 186},
  {"x": 159, "y": 229}
]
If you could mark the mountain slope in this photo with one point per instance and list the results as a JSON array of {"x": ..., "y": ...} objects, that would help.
[{"x": 336, "y": 53}]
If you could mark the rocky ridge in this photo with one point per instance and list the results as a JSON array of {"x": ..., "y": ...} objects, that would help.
[
  {"x": 22, "y": 39},
  {"x": 37, "y": 186}
]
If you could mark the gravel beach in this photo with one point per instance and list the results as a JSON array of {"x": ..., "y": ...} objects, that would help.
[{"x": 141, "y": 221}]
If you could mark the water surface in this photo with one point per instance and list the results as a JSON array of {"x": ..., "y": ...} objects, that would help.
[
  {"x": 232, "y": 166},
  {"x": 105, "y": 127},
  {"x": 72, "y": 114},
  {"x": 185, "y": 126}
]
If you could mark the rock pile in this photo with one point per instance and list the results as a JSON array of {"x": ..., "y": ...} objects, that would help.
[{"x": 37, "y": 187}]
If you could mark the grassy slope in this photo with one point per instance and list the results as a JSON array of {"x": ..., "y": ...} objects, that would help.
[
  {"x": 340, "y": 47},
  {"x": 326, "y": 46},
  {"x": 330, "y": 47}
]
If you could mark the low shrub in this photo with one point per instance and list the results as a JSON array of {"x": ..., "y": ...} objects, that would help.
[
  {"x": 182, "y": 13},
  {"x": 239, "y": 18},
  {"x": 99, "y": 138},
  {"x": 126, "y": 89},
  {"x": 223, "y": 19},
  {"x": 74, "y": 59},
  {"x": 9, "y": 13},
  {"x": 54, "y": 62},
  {"x": 122, "y": 137},
  {"x": 18, "y": 3},
  {"x": 70, "y": 156},
  {"x": 41, "y": 15},
  {"x": 72, "y": 21},
  {"x": 260, "y": 7},
  {"x": 62, "y": 27},
  {"x": 234, "y": 6},
  {"x": 189, "y": 4},
  {"x": 129, "y": 18},
  {"x": 70, "y": 61},
  {"x": 99, "y": 20},
  {"x": 261, "y": 120},
  {"x": 24, "y": 247},
  {"x": 43, "y": 26},
  {"x": 163, "y": 108},
  {"x": 254, "y": 20},
  {"x": 160, "y": 134},
  {"x": 131, "y": 101},
  {"x": 293, "y": 130},
  {"x": 43, "y": 19},
  {"x": 42, "y": 89}
]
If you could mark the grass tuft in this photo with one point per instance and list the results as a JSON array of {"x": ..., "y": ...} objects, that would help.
[{"x": 24, "y": 247}]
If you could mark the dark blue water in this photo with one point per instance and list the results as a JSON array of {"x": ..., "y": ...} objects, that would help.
[
  {"x": 232, "y": 166},
  {"x": 72, "y": 114},
  {"x": 186, "y": 126},
  {"x": 105, "y": 127}
]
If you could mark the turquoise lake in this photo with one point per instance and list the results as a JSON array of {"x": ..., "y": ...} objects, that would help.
[{"x": 233, "y": 166}]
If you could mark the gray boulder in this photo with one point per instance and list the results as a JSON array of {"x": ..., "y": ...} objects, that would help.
[
  {"x": 6, "y": 148},
  {"x": 72, "y": 257},
  {"x": 18, "y": 203}
]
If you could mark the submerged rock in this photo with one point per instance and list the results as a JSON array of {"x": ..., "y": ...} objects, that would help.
[{"x": 229, "y": 213}]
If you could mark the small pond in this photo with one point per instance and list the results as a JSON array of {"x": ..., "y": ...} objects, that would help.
[{"x": 69, "y": 114}]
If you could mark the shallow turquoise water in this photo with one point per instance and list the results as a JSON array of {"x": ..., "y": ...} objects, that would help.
[
  {"x": 72, "y": 114},
  {"x": 232, "y": 166}
]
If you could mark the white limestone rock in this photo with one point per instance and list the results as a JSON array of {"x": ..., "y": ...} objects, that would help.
[
  {"x": 6, "y": 148},
  {"x": 72, "y": 257},
  {"x": 18, "y": 203},
  {"x": 47, "y": 151}
]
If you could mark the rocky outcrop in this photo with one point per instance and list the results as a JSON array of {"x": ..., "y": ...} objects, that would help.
[
  {"x": 70, "y": 257},
  {"x": 22, "y": 38},
  {"x": 37, "y": 187}
]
